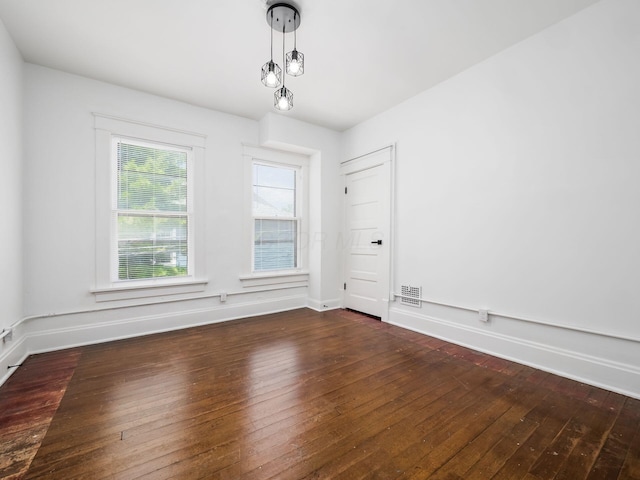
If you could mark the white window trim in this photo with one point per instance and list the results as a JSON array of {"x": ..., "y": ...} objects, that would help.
[
  {"x": 107, "y": 287},
  {"x": 300, "y": 274}
]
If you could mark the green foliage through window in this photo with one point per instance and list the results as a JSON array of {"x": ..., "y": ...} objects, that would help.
[{"x": 152, "y": 220}]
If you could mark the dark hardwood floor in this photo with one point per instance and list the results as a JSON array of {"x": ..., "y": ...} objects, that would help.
[
  {"x": 307, "y": 395},
  {"x": 28, "y": 401}
]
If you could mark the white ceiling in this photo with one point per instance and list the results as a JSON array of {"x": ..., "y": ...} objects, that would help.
[{"x": 361, "y": 56}]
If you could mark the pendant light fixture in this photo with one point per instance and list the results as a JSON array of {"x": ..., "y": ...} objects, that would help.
[
  {"x": 285, "y": 18},
  {"x": 283, "y": 98},
  {"x": 295, "y": 59},
  {"x": 271, "y": 72}
]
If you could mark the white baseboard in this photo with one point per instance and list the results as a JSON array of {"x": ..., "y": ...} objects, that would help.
[
  {"x": 601, "y": 361},
  {"x": 74, "y": 330},
  {"x": 323, "y": 305},
  {"x": 589, "y": 358},
  {"x": 14, "y": 352}
]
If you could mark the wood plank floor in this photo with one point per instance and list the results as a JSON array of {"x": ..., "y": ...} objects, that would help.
[
  {"x": 28, "y": 401},
  {"x": 307, "y": 395}
]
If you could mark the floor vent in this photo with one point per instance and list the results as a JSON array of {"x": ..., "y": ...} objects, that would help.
[{"x": 411, "y": 296}]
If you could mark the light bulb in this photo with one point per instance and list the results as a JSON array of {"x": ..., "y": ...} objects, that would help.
[
  {"x": 271, "y": 74},
  {"x": 283, "y": 104},
  {"x": 295, "y": 63},
  {"x": 283, "y": 99},
  {"x": 294, "y": 67},
  {"x": 272, "y": 79}
]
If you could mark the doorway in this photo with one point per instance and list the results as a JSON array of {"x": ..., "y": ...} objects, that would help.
[{"x": 367, "y": 232}]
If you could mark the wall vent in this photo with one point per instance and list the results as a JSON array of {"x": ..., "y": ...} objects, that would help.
[{"x": 411, "y": 296}]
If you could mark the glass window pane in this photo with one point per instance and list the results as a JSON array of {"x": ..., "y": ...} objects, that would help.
[
  {"x": 152, "y": 246},
  {"x": 274, "y": 191},
  {"x": 275, "y": 244},
  {"x": 273, "y": 202},
  {"x": 270, "y": 176},
  {"x": 151, "y": 178}
]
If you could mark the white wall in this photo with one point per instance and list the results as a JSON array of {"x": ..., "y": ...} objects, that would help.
[
  {"x": 323, "y": 242},
  {"x": 11, "y": 190},
  {"x": 517, "y": 191},
  {"x": 60, "y": 192}
]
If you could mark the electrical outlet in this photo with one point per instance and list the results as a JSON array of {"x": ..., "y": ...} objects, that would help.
[
  {"x": 483, "y": 315},
  {"x": 223, "y": 297}
]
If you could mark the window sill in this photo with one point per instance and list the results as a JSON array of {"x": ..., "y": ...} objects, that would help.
[
  {"x": 292, "y": 278},
  {"x": 127, "y": 292}
]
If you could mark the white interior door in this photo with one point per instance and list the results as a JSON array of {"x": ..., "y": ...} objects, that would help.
[{"x": 367, "y": 234}]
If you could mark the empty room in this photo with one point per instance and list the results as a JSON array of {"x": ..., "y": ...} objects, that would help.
[{"x": 356, "y": 239}]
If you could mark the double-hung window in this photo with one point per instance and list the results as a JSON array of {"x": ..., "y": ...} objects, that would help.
[
  {"x": 277, "y": 218},
  {"x": 153, "y": 211},
  {"x": 149, "y": 210},
  {"x": 276, "y": 225}
]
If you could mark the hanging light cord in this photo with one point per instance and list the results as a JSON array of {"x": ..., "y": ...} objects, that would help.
[
  {"x": 272, "y": 35},
  {"x": 295, "y": 41},
  {"x": 284, "y": 62}
]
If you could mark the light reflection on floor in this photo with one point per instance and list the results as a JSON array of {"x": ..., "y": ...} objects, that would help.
[{"x": 266, "y": 393}]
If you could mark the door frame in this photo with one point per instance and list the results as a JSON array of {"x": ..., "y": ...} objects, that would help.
[{"x": 357, "y": 164}]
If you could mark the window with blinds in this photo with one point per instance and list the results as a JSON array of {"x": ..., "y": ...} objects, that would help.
[
  {"x": 152, "y": 211},
  {"x": 275, "y": 217}
]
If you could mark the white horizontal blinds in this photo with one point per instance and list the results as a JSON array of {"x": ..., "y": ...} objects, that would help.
[
  {"x": 152, "y": 211},
  {"x": 275, "y": 245}
]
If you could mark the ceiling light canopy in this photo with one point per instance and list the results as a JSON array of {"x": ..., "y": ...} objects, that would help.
[{"x": 285, "y": 18}]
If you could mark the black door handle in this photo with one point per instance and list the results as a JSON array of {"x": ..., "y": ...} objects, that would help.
[{"x": 377, "y": 242}]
